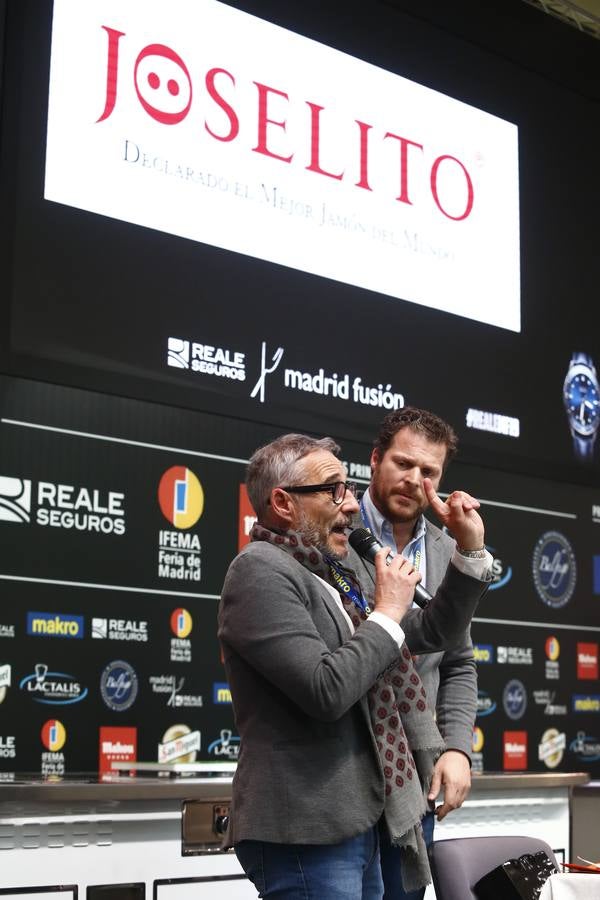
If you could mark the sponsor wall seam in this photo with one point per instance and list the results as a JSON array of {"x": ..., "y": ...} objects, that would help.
[
  {"x": 110, "y": 587},
  {"x": 117, "y": 440},
  {"x": 536, "y": 624}
]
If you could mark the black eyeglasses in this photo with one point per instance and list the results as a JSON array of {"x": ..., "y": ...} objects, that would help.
[{"x": 337, "y": 489}]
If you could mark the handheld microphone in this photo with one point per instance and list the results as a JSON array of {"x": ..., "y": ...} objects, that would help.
[{"x": 366, "y": 545}]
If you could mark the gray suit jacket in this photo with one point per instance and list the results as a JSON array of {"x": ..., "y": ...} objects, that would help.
[
  {"x": 449, "y": 677},
  {"x": 309, "y": 769}
]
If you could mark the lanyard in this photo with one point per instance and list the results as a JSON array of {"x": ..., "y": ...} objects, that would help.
[{"x": 346, "y": 589}]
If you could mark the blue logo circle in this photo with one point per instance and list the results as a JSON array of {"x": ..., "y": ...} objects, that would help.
[
  {"x": 514, "y": 699},
  {"x": 554, "y": 569},
  {"x": 118, "y": 685}
]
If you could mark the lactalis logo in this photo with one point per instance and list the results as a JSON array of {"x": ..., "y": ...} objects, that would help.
[
  {"x": 15, "y": 499},
  {"x": 53, "y": 688}
]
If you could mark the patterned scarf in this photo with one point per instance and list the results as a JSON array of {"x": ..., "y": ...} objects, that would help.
[{"x": 407, "y": 737}]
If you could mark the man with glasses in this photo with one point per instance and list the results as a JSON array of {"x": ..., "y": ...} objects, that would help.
[
  {"x": 335, "y": 731},
  {"x": 414, "y": 447}
]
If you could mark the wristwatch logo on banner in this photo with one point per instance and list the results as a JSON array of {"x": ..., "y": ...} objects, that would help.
[{"x": 581, "y": 396}]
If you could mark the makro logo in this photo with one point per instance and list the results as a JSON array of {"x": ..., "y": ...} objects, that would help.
[
  {"x": 53, "y": 688},
  {"x": 485, "y": 704},
  {"x": 501, "y": 571},
  {"x": 586, "y": 703},
  {"x": 554, "y": 569},
  {"x": 181, "y": 622},
  {"x": 15, "y": 499},
  {"x": 587, "y": 661},
  {"x": 586, "y": 747},
  {"x": 221, "y": 692},
  {"x": 596, "y": 574},
  {"x": 118, "y": 685},
  {"x": 62, "y": 506},
  {"x": 205, "y": 359},
  {"x": 226, "y": 745},
  {"x": 54, "y": 625},
  {"x": 514, "y": 699},
  {"x": 515, "y": 750},
  {"x": 119, "y": 630},
  {"x": 53, "y": 735},
  {"x": 483, "y": 653},
  {"x": 552, "y": 648},
  {"x": 180, "y": 497}
]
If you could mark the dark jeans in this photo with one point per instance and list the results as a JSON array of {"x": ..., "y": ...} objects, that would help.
[
  {"x": 390, "y": 864},
  {"x": 346, "y": 871}
]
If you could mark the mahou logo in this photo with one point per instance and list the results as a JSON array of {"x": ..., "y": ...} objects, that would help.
[
  {"x": 180, "y": 497},
  {"x": 587, "y": 661},
  {"x": 515, "y": 750}
]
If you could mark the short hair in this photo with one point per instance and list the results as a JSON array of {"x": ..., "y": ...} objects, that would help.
[
  {"x": 420, "y": 421},
  {"x": 278, "y": 463}
]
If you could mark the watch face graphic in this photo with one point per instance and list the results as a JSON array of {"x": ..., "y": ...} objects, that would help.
[{"x": 582, "y": 401}]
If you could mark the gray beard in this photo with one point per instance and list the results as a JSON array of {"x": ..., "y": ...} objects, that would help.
[{"x": 315, "y": 536}]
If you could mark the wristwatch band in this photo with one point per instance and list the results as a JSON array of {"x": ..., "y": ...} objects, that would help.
[{"x": 472, "y": 554}]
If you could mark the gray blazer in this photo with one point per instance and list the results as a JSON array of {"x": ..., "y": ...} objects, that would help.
[
  {"x": 309, "y": 770},
  {"x": 449, "y": 677}
]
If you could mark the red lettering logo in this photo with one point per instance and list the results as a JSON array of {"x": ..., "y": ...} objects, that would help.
[
  {"x": 515, "y": 750},
  {"x": 587, "y": 661},
  {"x": 163, "y": 86}
]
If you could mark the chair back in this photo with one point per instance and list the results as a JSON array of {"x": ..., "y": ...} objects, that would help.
[{"x": 458, "y": 863}]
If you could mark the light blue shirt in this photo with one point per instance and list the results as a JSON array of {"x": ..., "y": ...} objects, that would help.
[{"x": 383, "y": 531}]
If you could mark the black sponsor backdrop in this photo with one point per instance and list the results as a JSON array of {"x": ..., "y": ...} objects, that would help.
[
  {"x": 73, "y": 437},
  {"x": 94, "y": 309},
  {"x": 117, "y": 292}
]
